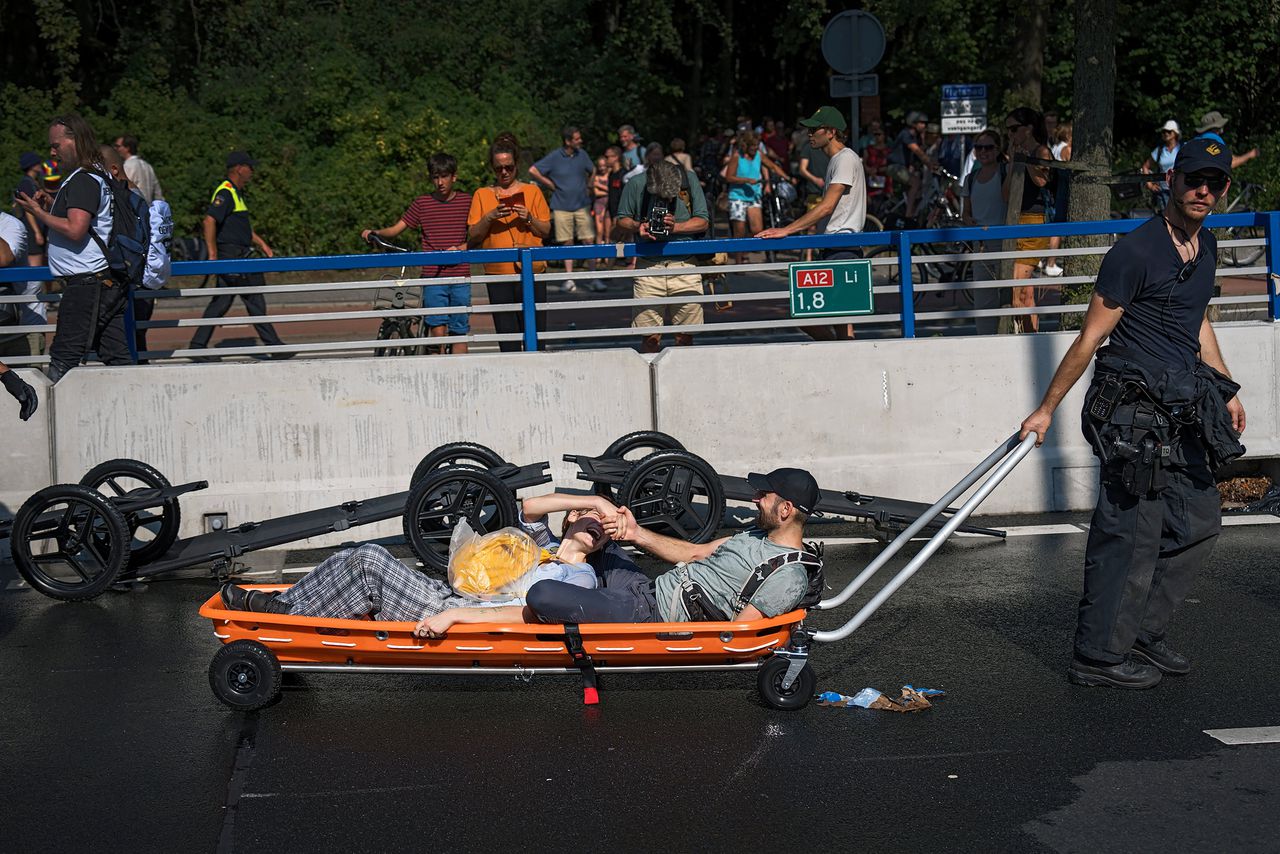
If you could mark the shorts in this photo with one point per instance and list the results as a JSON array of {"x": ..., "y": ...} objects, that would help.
[
  {"x": 571, "y": 225},
  {"x": 1029, "y": 243},
  {"x": 647, "y": 287},
  {"x": 738, "y": 208},
  {"x": 447, "y": 296},
  {"x": 600, "y": 207}
]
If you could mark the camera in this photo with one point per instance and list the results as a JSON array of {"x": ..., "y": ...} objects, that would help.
[{"x": 658, "y": 220}]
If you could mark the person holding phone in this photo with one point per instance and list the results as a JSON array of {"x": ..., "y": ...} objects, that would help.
[{"x": 509, "y": 214}]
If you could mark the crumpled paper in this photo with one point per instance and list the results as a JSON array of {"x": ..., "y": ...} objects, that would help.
[{"x": 912, "y": 700}]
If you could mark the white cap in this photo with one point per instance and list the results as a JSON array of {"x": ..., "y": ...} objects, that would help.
[{"x": 1173, "y": 126}]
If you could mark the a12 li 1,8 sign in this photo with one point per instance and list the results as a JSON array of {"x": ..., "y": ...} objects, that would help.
[{"x": 830, "y": 288}]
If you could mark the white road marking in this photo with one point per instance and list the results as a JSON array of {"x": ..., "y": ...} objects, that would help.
[{"x": 1247, "y": 735}]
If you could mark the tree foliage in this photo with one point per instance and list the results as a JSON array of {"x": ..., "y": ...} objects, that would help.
[{"x": 343, "y": 102}]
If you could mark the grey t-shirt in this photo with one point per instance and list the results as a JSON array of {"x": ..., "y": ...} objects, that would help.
[
  {"x": 570, "y": 175},
  {"x": 851, "y": 208},
  {"x": 723, "y": 573}
]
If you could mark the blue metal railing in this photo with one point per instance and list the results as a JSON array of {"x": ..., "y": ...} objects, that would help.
[{"x": 902, "y": 241}]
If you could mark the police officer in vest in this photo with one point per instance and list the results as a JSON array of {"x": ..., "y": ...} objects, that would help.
[
  {"x": 1161, "y": 414},
  {"x": 229, "y": 234}
]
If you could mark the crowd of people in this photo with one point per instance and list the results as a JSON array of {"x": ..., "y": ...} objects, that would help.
[{"x": 632, "y": 191}]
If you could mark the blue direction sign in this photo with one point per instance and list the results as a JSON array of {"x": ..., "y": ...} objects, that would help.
[
  {"x": 964, "y": 92},
  {"x": 830, "y": 288}
]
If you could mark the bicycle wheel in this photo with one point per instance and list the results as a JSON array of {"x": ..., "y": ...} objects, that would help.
[
  {"x": 392, "y": 330},
  {"x": 1242, "y": 256},
  {"x": 872, "y": 223}
]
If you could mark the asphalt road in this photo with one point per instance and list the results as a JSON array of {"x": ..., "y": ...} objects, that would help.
[{"x": 113, "y": 740}]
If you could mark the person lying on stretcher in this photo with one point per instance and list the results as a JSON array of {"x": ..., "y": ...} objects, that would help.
[
  {"x": 759, "y": 573},
  {"x": 369, "y": 581}
]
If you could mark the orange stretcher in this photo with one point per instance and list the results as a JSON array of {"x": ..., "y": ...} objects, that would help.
[{"x": 257, "y": 647}]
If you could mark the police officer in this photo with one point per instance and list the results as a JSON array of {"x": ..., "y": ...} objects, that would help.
[
  {"x": 1161, "y": 413},
  {"x": 229, "y": 234}
]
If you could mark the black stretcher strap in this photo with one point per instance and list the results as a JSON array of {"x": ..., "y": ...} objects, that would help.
[{"x": 582, "y": 661}]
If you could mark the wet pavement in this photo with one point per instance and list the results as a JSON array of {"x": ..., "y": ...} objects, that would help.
[{"x": 113, "y": 740}]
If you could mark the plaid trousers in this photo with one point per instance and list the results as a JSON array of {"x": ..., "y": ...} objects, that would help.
[{"x": 368, "y": 580}]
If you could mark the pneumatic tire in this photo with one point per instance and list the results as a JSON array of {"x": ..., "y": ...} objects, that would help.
[{"x": 245, "y": 675}]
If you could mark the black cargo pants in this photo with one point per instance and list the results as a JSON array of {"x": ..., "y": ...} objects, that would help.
[{"x": 90, "y": 319}]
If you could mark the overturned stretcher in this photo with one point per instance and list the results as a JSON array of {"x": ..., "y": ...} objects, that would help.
[{"x": 258, "y": 648}]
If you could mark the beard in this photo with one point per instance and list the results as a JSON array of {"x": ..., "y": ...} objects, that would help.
[{"x": 767, "y": 521}]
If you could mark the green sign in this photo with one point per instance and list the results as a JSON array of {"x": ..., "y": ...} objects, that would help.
[{"x": 831, "y": 288}]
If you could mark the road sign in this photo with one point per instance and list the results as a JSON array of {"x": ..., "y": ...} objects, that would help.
[
  {"x": 964, "y": 124},
  {"x": 964, "y": 107},
  {"x": 964, "y": 91},
  {"x": 830, "y": 288},
  {"x": 853, "y": 42},
  {"x": 855, "y": 85}
]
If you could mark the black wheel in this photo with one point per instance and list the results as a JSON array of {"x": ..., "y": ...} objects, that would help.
[
  {"x": 647, "y": 441},
  {"x": 457, "y": 455},
  {"x": 676, "y": 492},
  {"x": 245, "y": 675},
  {"x": 437, "y": 503},
  {"x": 69, "y": 542},
  {"x": 789, "y": 699},
  {"x": 153, "y": 529},
  {"x": 393, "y": 330}
]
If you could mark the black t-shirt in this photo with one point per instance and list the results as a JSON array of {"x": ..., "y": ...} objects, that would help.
[
  {"x": 233, "y": 228},
  {"x": 1162, "y": 316},
  {"x": 616, "y": 183},
  {"x": 81, "y": 191},
  {"x": 28, "y": 186},
  {"x": 901, "y": 153}
]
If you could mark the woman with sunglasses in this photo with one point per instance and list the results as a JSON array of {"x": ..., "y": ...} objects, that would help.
[
  {"x": 1162, "y": 414},
  {"x": 984, "y": 205},
  {"x": 509, "y": 214},
  {"x": 1028, "y": 137}
]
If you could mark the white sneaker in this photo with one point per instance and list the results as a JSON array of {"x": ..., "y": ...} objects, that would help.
[
  {"x": 569, "y": 286},
  {"x": 1053, "y": 271},
  {"x": 598, "y": 286}
]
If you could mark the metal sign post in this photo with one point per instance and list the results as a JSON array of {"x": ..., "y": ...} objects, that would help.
[{"x": 853, "y": 44}]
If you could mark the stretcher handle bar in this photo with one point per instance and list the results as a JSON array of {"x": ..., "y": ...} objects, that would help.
[
  {"x": 941, "y": 505},
  {"x": 1011, "y": 460}
]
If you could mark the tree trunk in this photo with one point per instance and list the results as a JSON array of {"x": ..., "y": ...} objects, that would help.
[
  {"x": 693, "y": 95},
  {"x": 1028, "y": 54},
  {"x": 1092, "y": 144}
]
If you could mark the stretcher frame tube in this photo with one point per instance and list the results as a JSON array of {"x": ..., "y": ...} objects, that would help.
[
  {"x": 514, "y": 670},
  {"x": 1011, "y": 460},
  {"x": 917, "y": 526}
]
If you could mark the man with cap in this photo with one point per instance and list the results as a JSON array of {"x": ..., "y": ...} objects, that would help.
[
  {"x": 1161, "y": 160},
  {"x": 759, "y": 573},
  {"x": 229, "y": 234},
  {"x": 1161, "y": 414},
  {"x": 843, "y": 207},
  {"x": 1211, "y": 125}
]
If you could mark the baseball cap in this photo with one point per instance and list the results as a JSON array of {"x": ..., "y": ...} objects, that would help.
[
  {"x": 1212, "y": 120},
  {"x": 28, "y": 159},
  {"x": 1171, "y": 125},
  {"x": 825, "y": 117},
  {"x": 1203, "y": 153},
  {"x": 795, "y": 485},
  {"x": 915, "y": 117},
  {"x": 241, "y": 158}
]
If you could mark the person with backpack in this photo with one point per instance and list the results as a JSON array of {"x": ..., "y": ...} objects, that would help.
[
  {"x": 83, "y": 241},
  {"x": 229, "y": 234}
]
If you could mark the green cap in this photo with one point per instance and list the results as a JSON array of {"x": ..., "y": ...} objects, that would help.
[{"x": 826, "y": 117}]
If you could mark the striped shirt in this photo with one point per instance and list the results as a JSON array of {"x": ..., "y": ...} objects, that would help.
[{"x": 442, "y": 224}]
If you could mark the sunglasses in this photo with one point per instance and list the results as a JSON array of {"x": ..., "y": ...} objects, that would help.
[
  {"x": 1215, "y": 183},
  {"x": 984, "y": 148},
  {"x": 498, "y": 167}
]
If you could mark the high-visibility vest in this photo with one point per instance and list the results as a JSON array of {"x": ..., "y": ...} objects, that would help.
[{"x": 239, "y": 205}]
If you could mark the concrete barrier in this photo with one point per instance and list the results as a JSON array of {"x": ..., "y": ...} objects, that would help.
[
  {"x": 909, "y": 418},
  {"x": 274, "y": 438},
  {"x": 26, "y": 461}
]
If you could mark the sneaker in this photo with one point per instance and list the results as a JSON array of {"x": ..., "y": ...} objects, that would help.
[
  {"x": 1129, "y": 674},
  {"x": 1163, "y": 656},
  {"x": 597, "y": 285},
  {"x": 569, "y": 286},
  {"x": 1053, "y": 271}
]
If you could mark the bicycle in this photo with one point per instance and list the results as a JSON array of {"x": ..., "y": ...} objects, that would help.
[
  {"x": 402, "y": 296},
  {"x": 1242, "y": 256}
]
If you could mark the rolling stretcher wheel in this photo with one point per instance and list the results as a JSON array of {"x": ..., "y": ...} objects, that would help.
[
  {"x": 437, "y": 503},
  {"x": 788, "y": 699},
  {"x": 643, "y": 441},
  {"x": 153, "y": 529},
  {"x": 69, "y": 542},
  {"x": 677, "y": 492},
  {"x": 245, "y": 675},
  {"x": 456, "y": 455}
]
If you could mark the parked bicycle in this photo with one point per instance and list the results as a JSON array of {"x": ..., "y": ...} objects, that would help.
[
  {"x": 400, "y": 296},
  {"x": 1241, "y": 256}
]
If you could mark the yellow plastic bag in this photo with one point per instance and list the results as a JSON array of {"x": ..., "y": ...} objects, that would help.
[{"x": 491, "y": 567}]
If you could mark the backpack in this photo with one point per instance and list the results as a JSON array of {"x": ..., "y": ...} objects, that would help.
[
  {"x": 160, "y": 217},
  {"x": 126, "y": 247}
]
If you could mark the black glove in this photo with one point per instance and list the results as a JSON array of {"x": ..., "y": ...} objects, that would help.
[{"x": 23, "y": 393}]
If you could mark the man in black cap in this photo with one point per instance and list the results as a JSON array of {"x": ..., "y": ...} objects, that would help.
[
  {"x": 229, "y": 234},
  {"x": 759, "y": 573},
  {"x": 1162, "y": 414}
]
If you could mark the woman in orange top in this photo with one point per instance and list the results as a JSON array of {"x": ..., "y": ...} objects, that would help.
[{"x": 510, "y": 213}]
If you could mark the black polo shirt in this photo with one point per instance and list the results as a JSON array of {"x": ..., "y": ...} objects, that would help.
[
  {"x": 233, "y": 228},
  {"x": 1162, "y": 316}
]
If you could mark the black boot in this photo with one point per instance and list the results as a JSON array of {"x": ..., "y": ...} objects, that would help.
[{"x": 237, "y": 598}]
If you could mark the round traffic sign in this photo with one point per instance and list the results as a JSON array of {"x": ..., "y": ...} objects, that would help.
[{"x": 853, "y": 42}]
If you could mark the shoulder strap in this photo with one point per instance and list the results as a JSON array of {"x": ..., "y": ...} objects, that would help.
[{"x": 762, "y": 572}]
